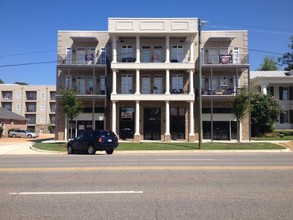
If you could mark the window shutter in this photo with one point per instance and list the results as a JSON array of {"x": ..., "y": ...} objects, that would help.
[
  {"x": 272, "y": 91},
  {"x": 291, "y": 116},
  {"x": 290, "y": 93},
  {"x": 281, "y": 93}
]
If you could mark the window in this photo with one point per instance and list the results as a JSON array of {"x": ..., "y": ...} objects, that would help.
[
  {"x": 103, "y": 56},
  {"x": 146, "y": 84},
  {"x": 103, "y": 84},
  {"x": 81, "y": 85},
  {"x": 43, "y": 95},
  {"x": 42, "y": 119},
  {"x": 42, "y": 107},
  {"x": 157, "y": 54},
  {"x": 126, "y": 84},
  {"x": 68, "y": 81},
  {"x": 127, "y": 53},
  {"x": 18, "y": 107},
  {"x": 18, "y": 95},
  {"x": 80, "y": 55},
  {"x": 177, "y": 83},
  {"x": 177, "y": 53},
  {"x": 90, "y": 55},
  {"x": 68, "y": 58},
  {"x": 146, "y": 54},
  {"x": 158, "y": 84},
  {"x": 284, "y": 117},
  {"x": 213, "y": 55},
  {"x": 283, "y": 93}
]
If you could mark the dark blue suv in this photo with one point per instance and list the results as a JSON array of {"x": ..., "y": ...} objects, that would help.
[{"x": 92, "y": 141}]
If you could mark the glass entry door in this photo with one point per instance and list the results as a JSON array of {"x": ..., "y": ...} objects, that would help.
[{"x": 152, "y": 124}]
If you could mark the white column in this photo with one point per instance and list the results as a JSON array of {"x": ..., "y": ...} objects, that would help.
[
  {"x": 114, "y": 44},
  {"x": 137, "y": 118},
  {"x": 191, "y": 119},
  {"x": 137, "y": 49},
  {"x": 191, "y": 92},
  {"x": 114, "y": 116},
  {"x": 137, "y": 82},
  {"x": 167, "y": 49},
  {"x": 192, "y": 52},
  {"x": 264, "y": 89},
  {"x": 114, "y": 87},
  {"x": 167, "y": 118},
  {"x": 167, "y": 82}
]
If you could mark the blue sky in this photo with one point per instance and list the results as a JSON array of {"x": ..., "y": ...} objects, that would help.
[{"x": 28, "y": 28}]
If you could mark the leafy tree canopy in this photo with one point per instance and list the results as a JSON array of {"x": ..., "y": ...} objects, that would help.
[
  {"x": 269, "y": 64},
  {"x": 1, "y": 81},
  {"x": 21, "y": 83},
  {"x": 287, "y": 58},
  {"x": 70, "y": 105}
]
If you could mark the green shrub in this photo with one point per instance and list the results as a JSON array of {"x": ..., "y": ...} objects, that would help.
[{"x": 1, "y": 131}]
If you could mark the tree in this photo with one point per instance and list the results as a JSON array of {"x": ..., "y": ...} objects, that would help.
[
  {"x": 287, "y": 58},
  {"x": 71, "y": 106},
  {"x": 240, "y": 109},
  {"x": 269, "y": 64},
  {"x": 1, "y": 81},
  {"x": 265, "y": 111},
  {"x": 21, "y": 83}
]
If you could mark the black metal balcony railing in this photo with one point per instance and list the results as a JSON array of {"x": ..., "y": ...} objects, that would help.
[
  {"x": 86, "y": 60},
  {"x": 226, "y": 59}
]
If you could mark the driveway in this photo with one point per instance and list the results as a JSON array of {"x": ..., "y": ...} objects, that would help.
[{"x": 21, "y": 145}]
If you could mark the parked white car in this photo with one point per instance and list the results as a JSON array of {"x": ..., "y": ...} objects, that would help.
[{"x": 22, "y": 133}]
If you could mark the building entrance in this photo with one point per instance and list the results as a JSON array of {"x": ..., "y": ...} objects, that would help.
[{"x": 152, "y": 124}]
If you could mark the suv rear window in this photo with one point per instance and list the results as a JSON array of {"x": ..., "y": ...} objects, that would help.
[{"x": 107, "y": 134}]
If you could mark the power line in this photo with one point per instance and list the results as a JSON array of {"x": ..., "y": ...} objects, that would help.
[
  {"x": 27, "y": 64},
  {"x": 27, "y": 53}
]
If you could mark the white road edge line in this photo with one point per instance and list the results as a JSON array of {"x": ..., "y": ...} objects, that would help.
[
  {"x": 185, "y": 159},
  {"x": 76, "y": 193}
]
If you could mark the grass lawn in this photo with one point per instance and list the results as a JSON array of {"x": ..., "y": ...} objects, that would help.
[{"x": 123, "y": 146}]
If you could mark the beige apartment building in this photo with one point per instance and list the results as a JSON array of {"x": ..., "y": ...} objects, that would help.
[
  {"x": 36, "y": 103},
  {"x": 140, "y": 79},
  {"x": 278, "y": 84}
]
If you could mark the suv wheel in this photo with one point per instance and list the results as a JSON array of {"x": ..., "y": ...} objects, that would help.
[
  {"x": 69, "y": 149},
  {"x": 110, "y": 151},
  {"x": 29, "y": 136},
  {"x": 91, "y": 149},
  {"x": 14, "y": 135}
]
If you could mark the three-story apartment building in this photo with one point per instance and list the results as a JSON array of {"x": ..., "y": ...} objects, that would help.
[
  {"x": 152, "y": 78},
  {"x": 36, "y": 103}
]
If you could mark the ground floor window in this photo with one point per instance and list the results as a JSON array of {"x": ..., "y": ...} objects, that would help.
[
  {"x": 177, "y": 123},
  {"x": 221, "y": 130},
  {"x": 126, "y": 123}
]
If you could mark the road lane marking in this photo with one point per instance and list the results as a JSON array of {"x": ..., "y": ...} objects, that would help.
[
  {"x": 133, "y": 168},
  {"x": 76, "y": 193},
  {"x": 185, "y": 159}
]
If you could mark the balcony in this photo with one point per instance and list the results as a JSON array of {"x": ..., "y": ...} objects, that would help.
[
  {"x": 241, "y": 59},
  {"x": 6, "y": 96},
  {"x": 85, "y": 61}
]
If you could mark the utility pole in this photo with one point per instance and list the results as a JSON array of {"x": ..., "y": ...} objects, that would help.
[{"x": 199, "y": 86}]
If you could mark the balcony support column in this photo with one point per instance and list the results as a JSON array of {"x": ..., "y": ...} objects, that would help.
[
  {"x": 264, "y": 89},
  {"x": 191, "y": 80},
  {"x": 114, "y": 44},
  {"x": 114, "y": 116},
  {"x": 167, "y": 119},
  {"x": 167, "y": 82},
  {"x": 137, "y": 107},
  {"x": 137, "y": 49},
  {"x": 114, "y": 92},
  {"x": 167, "y": 49},
  {"x": 137, "y": 92},
  {"x": 191, "y": 137},
  {"x": 191, "y": 52}
]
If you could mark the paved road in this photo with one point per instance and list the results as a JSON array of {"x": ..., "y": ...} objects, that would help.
[{"x": 147, "y": 186}]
